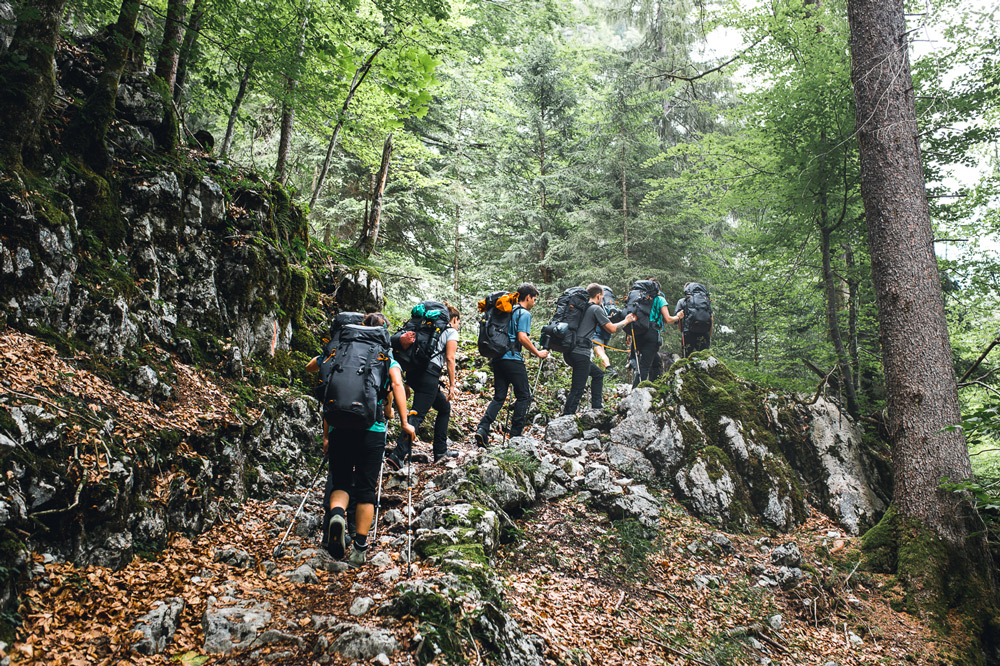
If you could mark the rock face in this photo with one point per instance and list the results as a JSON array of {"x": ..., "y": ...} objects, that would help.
[
  {"x": 231, "y": 627},
  {"x": 735, "y": 454},
  {"x": 159, "y": 625}
]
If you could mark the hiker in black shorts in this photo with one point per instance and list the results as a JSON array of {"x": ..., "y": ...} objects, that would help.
[{"x": 594, "y": 319}]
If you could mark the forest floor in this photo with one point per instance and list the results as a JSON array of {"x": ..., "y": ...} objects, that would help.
[{"x": 597, "y": 593}]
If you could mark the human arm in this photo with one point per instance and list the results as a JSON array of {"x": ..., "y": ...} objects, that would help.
[
  {"x": 525, "y": 341},
  {"x": 326, "y": 437},
  {"x": 665, "y": 313},
  {"x": 313, "y": 364},
  {"x": 449, "y": 356},
  {"x": 614, "y": 328},
  {"x": 399, "y": 395}
]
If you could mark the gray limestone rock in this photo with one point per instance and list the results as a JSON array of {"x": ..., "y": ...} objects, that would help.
[
  {"x": 786, "y": 555},
  {"x": 356, "y": 642},
  {"x": 230, "y": 627},
  {"x": 158, "y": 626},
  {"x": 562, "y": 429}
]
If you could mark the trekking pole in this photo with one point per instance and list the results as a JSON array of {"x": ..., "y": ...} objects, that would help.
[
  {"x": 537, "y": 377},
  {"x": 409, "y": 510},
  {"x": 277, "y": 550},
  {"x": 378, "y": 499}
]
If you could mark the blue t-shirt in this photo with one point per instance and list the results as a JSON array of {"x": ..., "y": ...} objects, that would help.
[{"x": 520, "y": 322}]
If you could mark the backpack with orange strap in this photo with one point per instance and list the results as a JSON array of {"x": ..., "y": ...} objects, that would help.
[{"x": 494, "y": 323}]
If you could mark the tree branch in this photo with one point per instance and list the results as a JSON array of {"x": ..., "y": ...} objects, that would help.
[{"x": 689, "y": 79}]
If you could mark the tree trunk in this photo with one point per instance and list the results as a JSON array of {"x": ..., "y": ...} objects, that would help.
[
  {"x": 170, "y": 47},
  {"x": 288, "y": 105},
  {"x": 853, "y": 285},
  {"x": 187, "y": 49},
  {"x": 369, "y": 233},
  {"x": 927, "y": 536},
  {"x": 833, "y": 322},
  {"x": 756, "y": 336},
  {"x": 227, "y": 142},
  {"x": 621, "y": 134},
  {"x": 359, "y": 78},
  {"x": 458, "y": 193},
  {"x": 90, "y": 127},
  {"x": 26, "y": 77}
]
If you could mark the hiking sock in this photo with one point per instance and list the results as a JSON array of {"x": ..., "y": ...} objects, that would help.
[{"x": 361, "y": 541}]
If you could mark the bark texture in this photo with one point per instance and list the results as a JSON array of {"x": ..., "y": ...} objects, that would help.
[
  {"x": 928, "y": 536},
  {"x": 170, "y": 48},
  {"x": 90, "y": 127},
  {"x": 369, "y": 232},
  {"x": 27, "y": 81}
]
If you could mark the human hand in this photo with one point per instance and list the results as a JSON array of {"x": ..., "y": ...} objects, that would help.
[
  {"x": 451, "y": 393},
  {"x": 680, "y": 315},
  {"x": 543, "y": 353},
  {"x": 326, "y": 443},
  {"x": 630, "y": 318},
  {"x": 410, "y": 432},
  {"x": 407, "y": 339}
]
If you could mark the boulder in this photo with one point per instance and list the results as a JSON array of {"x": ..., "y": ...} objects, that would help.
[
  {"x": 356, "y": 642},
  {"x": 562, "y": 429},
  {"x": 228, "y": 628},
  {"x": 158, "y": 626}
]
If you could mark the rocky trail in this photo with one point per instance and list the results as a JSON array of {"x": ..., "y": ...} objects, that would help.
[{"x": 589, "y": 541}]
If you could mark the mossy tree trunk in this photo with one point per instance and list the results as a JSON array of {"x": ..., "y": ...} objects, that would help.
[
  {"x": 89, "y": 129},
  {"x": 227, "y": 141},
  {"x": 288, "y": 104},
  {"x": 170, "y": 48},
  {"x": 26, "y": 79},
  {"x": 930, "y": 537}
]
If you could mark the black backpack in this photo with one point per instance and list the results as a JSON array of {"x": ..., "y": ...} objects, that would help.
[
  {"x": 697, "y": 309},
  {"x": 428, "y": 319},
  {"x": 640, "y": 303},
  {"x": 611, "y": 306},
  {"x": 354, "y": 375},
  {"x": 494, "y": 324},
  {"x": 562, "y": 332}
]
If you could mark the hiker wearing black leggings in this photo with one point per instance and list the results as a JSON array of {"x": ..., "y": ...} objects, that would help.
[{"x": 647, "y": 341}]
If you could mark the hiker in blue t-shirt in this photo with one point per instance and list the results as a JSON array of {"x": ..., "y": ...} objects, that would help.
[{"x": 509, "y": 370}]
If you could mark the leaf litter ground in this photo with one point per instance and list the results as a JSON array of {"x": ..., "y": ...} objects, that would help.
[{"x": 598, "y": 593}]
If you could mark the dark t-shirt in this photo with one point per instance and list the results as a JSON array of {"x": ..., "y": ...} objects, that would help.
[{"x": 594, "y": 317}]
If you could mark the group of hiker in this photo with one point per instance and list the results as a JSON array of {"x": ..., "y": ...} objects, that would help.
[{"x": 364, "y": 372}]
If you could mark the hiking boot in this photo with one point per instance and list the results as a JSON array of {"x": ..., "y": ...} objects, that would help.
[
  {"x": 325, "y": 538},
  {"x": 393, "y": 462},
  {"x": 482, "y": 438},
  {"x": 336, "y": 537},
  {"x": 445, "y": 456},
  {"x": 358, "y": 557}
]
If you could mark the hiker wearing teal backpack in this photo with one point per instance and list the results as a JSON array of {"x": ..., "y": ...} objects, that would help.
[
  {"x": 696, "y": 327},
  {"x": 423, "y": 373},
  {"x": 647, "y": 303}
]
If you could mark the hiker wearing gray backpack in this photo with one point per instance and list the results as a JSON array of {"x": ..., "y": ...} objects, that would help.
[
  {"x": 696, "y": 327},
  {"x": 357, "y": 375},
  {"x": 649, "y": 306}
]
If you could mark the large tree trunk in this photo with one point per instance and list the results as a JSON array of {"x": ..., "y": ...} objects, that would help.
[
  {"x": 227, "y": 142},
  {"x": 187, "y": 49},
  {"x": 26, "y": 78},
  {"x": 369, "y": 232},
  {"x": 927, "y": 534},
  {"x": 170, "y": 47},
  {"x": 90, "y": 127}
]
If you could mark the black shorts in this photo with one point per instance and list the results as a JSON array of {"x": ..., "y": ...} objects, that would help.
[{"x": 355, "y": 461}]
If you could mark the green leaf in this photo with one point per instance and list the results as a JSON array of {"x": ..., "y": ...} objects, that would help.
[{"x": 190, "y": 658}]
